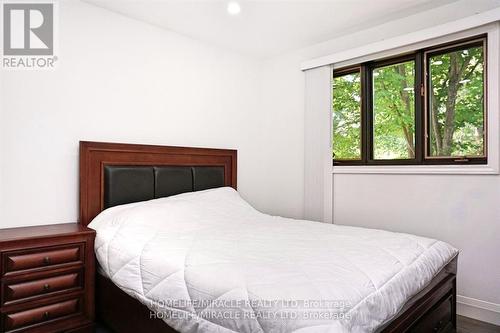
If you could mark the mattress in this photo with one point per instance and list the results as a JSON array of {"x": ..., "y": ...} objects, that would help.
[{"x": 208, "y": 262}]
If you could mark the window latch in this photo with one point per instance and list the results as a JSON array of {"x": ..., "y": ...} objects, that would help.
[{"x": 422, "y": 90}]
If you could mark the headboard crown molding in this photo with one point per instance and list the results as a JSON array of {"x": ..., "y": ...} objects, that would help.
[{"x": 94, "y": 156}]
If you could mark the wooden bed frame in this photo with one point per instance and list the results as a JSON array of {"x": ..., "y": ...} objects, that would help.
[{"x": 431, "y": 310}]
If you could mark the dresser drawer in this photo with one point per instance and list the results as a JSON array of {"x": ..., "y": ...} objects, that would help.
[
  {"x": 16, "y": 261},
  {"x": 18, "y": 291},
  {"x": 52, "y": 312}
]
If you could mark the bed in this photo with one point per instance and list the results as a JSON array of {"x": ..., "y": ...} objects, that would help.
[{"x": 180, "y": 251}]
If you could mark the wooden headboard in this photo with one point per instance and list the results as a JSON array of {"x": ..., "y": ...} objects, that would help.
[{"x": 95, "y": 157}]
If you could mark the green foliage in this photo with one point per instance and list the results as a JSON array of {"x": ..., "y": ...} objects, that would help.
[
  {"x": 457, "y": 108},
  {"x": 394, "y": 111},
  {"x": 456, "y": 117},
  {"x": 347, "y": 116}
]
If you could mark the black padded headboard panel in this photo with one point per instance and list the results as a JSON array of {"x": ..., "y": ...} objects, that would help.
[
  {"x": 119, "y": 173},
  {"x": 127, "y": 184}
]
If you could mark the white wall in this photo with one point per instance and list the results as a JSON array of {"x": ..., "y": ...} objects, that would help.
[
  {"x": 462, "y": 210},
  {"x": 120, "y": 80},
  {"x": 459, "y": 209}
]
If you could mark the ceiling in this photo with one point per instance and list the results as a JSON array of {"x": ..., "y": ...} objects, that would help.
[{"x": 267, "y": 28}]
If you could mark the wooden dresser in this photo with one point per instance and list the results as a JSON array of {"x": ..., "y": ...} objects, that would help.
[{"x": 47, "y": 279}]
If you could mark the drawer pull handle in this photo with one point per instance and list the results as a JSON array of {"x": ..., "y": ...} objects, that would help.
[
  {"x": 46, "y": 286},
  {"x": 46, "y": 260},
  {"x": 46, "y": 315}
]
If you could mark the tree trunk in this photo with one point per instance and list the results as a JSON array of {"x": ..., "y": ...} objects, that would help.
[
  {"x": 454, "y": 74},
  {"x": 436, "y": 128},
  {"x": 405, "y": 97}
]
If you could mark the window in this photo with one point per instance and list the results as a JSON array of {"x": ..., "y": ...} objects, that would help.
[
  {"x": 347, "y": 114},
  {"x": 456, "y": 102},
  {"x": 427, "y": 107},
  {"x": 394, "y": 111}
]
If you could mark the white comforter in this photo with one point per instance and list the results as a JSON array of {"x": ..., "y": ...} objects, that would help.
[{"x": 208, "y": 262}]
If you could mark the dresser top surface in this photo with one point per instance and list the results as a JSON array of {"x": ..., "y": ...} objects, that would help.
[{"x": 43, "y": 231}]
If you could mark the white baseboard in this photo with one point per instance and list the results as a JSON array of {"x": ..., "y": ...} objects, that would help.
[{"x": 478, "y": 309}]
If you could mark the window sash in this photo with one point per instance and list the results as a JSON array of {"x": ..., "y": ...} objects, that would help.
[
  {"x": 441, "y": 50},
  {"x": 371, "y": 114},
  {"x": 340, "y": 73}
]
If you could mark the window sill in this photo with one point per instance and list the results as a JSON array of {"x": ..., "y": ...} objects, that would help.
[{"x": 417, "y": 169}]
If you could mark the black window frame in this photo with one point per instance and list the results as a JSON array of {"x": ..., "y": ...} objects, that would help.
[
  {"x": 422, "y": 97},
  {"x": 346, "y": 71}
]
